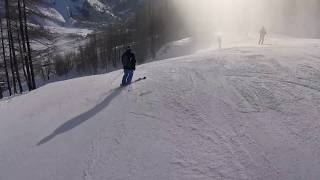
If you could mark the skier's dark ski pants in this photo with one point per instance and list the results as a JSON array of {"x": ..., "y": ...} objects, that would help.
[
  {"x": 127, "y": 77},
  {"x": 261, "y": 40}
]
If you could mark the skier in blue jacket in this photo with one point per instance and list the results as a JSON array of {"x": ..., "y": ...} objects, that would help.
[{"x": 129, "y": 66}]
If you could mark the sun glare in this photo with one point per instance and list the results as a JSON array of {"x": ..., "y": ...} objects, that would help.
[{"x": 242, "y": 16}]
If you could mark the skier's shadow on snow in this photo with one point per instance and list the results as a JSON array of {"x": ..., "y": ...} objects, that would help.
[{"x": 76, "y": 121}]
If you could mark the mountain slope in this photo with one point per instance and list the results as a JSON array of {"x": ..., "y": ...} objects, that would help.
[
  {"x": 245, "y": 112},
  {"x": 81, "y": 12}
]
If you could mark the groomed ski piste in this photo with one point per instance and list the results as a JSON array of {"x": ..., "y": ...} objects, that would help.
[{"x": 245, "y": 112}]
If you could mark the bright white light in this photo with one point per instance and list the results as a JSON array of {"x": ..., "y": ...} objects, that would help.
[
  {"x": 244, "y": 16},
  {"x": 222, "y": 15}
]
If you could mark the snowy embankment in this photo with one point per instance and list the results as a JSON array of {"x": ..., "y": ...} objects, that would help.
[{"x": 238, "y": 113}]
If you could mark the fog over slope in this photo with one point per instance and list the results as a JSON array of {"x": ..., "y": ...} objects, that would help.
[{"x": 294, "y": 17}]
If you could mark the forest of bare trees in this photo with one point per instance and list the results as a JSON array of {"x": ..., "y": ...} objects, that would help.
[
  {"x": 153, "y": 25},
  {"x": 17, "y": 71}
]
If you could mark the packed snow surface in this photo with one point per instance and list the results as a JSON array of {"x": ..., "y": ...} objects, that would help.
[{"x": 240, "y": 113}]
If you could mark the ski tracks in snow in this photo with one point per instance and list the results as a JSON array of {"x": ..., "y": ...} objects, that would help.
[
  {"x": 227, "y": 118},
  {"x": 229, "y": 95},
  {"x": 209, "y": 152}
]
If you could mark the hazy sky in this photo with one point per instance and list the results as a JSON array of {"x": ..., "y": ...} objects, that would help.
[{"x": 279, "y": 16}]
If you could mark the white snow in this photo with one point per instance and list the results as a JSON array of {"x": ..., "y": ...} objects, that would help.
[
  {"x": 99, "y": 6},
  {"x": 240, "y": 113},
  {"x": 69, "y": 31},
  {"x": 51, "y": 13},
  {"x": 177, "y": 48},
  {"x": 68, "y": 12},
  {"x": 66, "y": 39}
]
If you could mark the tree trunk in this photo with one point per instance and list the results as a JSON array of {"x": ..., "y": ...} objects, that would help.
[
  {"x": 1, "y": 93},
  {"x": 24, "y": 49},
  {"x": 14, "y": 57},
  {"x": 22, "y": 60},
  {"x": 12, "y": 72},
  {"x": 28, "y": 46},
  {"x": 9, "y": 44},
  {"x": 4, "y": 58}
]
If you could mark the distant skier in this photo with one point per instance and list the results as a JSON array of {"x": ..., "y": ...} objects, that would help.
[
  {"x": 263, "y": 33},
  {"x": 220, "y": 42},
  {"x": 129, "y": 66}
]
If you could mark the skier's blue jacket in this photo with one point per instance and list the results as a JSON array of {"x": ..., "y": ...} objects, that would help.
[{"x": 129, "y": 60}]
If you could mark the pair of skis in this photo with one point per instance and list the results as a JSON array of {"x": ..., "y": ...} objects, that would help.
[
  {"x": 139, "y": 79},
  {"x": 135, "y": 81}
]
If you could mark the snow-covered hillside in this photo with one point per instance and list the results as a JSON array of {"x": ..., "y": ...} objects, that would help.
[
  {"x": 69, "y": 22},
  {"x": 240, "y": 113},
  {"x": 80, "y": 12}
]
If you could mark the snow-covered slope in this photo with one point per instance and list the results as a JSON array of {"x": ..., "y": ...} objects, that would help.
[{"x": 241, "y": 113}]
